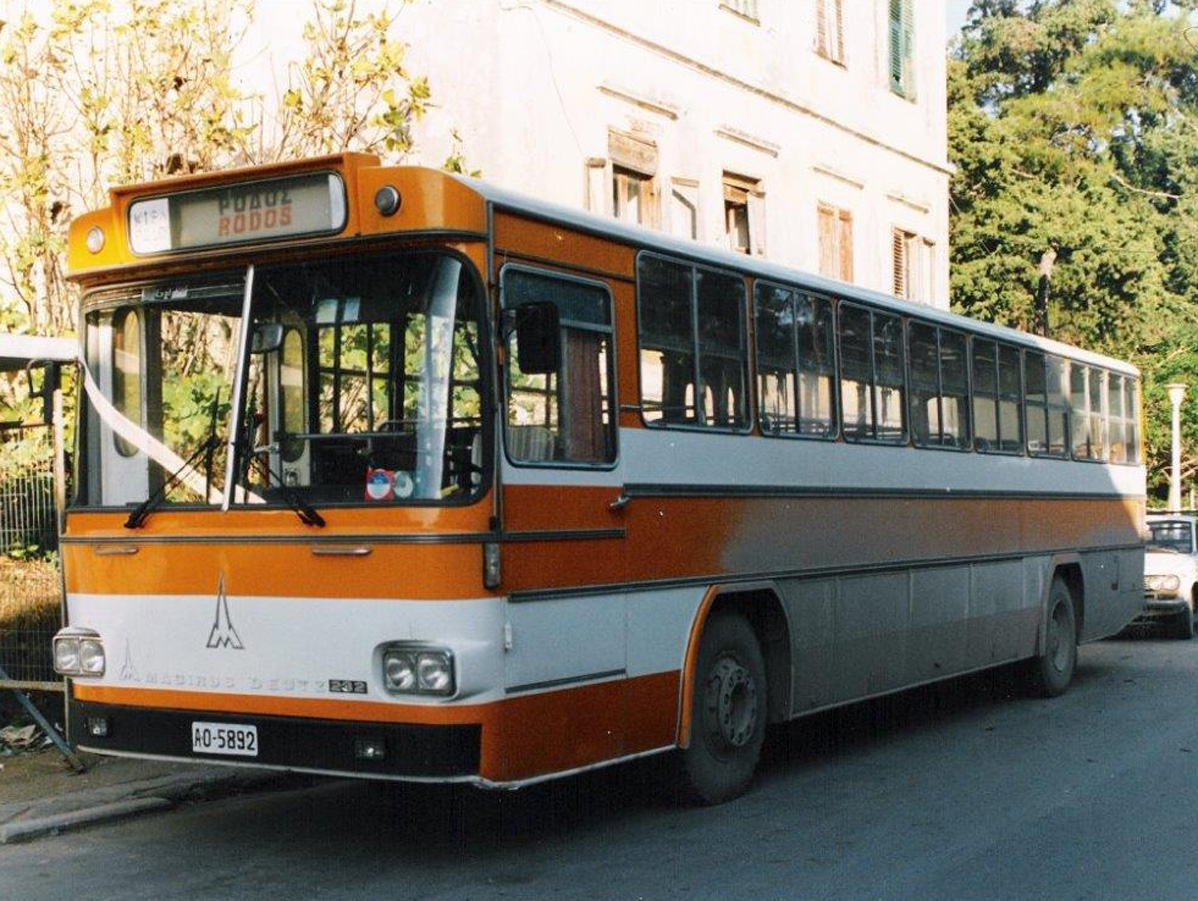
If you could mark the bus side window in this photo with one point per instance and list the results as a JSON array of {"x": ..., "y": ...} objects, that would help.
[
  {"x": 985, "y": 395},
  {"x": 564, "y": 416},
  {"x": 1056, "y": 377},
  {"x": 1079, "y": 417},
  {"x": 1035, "y": 397},
  {"x": 1131, "y": 409},
  {"x": 1010, "y": 400},
  {"x": 1118, "y": 435},
  {"x": 794, "y": 362},
  {"x": 925, "y": 417},
  {"x": 856, "y": 373},
  {"x": 954, "y": 389}
]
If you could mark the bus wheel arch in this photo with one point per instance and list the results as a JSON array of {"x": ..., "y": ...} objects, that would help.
[
  {"x": 761, "y": 605},
  {"x": 1068, "y": 569}
]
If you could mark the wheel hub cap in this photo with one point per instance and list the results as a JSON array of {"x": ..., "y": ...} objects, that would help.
[{"x": 731, "y": 702}]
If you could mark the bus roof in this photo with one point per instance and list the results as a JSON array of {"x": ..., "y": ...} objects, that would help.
[{"x": 657, "y": 241}]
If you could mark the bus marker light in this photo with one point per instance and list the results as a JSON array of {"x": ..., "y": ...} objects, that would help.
[
  {"x": 387, "y": 200},
  {"x": 491, "y": 570},
  {"x": 95, "y": 239},
  {"x": 97, "y": 726}
]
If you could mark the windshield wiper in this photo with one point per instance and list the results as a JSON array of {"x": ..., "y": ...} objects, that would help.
[
  {"x": 142, "y": 511},
  {"x": 307, "y": 514}
]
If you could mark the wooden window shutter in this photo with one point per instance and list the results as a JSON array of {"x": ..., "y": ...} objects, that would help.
[
  {"x": 908, "y": 7},
  {"x": 898, "y": 251},
  {"x": 896, "y": 45},
  {"x": 826, "y": 216},
  {"x": 839, "y": 18},
  {"x": 844, "y": 245},
  {"x": 821, "y": 27},
  {"x": 630, "y": 152},
  {"x": 756, "y": 212}
]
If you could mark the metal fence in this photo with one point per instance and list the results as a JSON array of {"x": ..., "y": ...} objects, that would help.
[{"x": 30, "y": 590}]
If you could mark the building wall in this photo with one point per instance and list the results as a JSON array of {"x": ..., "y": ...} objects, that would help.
[{"x": 535, "y": 86}]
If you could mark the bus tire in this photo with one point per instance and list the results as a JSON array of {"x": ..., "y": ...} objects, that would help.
[
  {"x": 1052, "y": 670},
  {"x": 728, "y": 712}
]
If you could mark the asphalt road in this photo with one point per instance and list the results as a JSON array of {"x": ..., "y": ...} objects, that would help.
[{"x": 962, "y": 791}]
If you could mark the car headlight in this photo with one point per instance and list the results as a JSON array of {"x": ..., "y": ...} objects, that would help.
[
  {"x": 78, "y": 652},
  {"x": 413, "y": 669},
  {"x": 1162, "y": 583}
]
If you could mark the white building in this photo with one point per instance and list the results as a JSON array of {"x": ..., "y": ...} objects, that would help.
[{"x": 809, "y": 131}]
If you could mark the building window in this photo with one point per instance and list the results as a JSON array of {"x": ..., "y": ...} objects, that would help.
[
  {"x": 684, "y": 208},
  {"x": 744, "y": 214},
  {"x": 914, "y": 266},
  {"x": 902, "y": 48},
  {"x": 692, "y": 332},
  {"x": 835, "y": 242},
  {"x": 829, "y": 30},
  {"x": 745, "y": 8},
  {"x": 633, "y": 185}
]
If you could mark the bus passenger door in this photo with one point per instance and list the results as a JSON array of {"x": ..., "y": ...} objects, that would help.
[{"x": 559, "y": 479}]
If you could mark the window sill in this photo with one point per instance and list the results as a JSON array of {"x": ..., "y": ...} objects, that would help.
[
  {"x": 744, "y": 17},
  {"x": 838, "y": 63}
]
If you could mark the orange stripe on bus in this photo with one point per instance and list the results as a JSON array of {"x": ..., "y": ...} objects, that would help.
[{"x": 683, "y": 737}]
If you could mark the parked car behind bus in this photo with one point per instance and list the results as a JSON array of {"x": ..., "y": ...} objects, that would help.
[{"x": 1171, "y": 573}]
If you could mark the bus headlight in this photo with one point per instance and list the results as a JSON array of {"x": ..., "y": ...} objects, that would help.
[
  {"x": 91, "y": 657},
  {"x": 78, "y": 652},
  {"x": 412, "y": 669}
]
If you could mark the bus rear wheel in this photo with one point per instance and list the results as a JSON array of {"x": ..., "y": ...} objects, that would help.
[
  {"x": 728, "y": 711},
  {"x": 1051, "y": 672}
]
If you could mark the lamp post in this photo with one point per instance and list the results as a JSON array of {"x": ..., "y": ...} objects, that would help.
[{"x": 1176, "y": 392}]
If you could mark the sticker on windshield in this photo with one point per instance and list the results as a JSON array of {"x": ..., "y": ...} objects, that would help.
[
  {"x": 379, "y": 485},
  {"x": 403, "y": 484}
]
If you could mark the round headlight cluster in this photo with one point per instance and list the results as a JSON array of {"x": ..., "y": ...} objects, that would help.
[{"x": 418, "y": 670}]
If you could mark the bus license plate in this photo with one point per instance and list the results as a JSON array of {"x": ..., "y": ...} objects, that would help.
[{"x": 224, "y": 738}]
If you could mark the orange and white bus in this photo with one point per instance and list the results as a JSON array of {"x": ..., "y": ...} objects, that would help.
[{"x": 387, "y": 472}]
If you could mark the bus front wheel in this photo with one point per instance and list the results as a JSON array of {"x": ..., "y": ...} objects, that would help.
[
  {"x": 1051, "y": 672},
  {"x": 728, "y": 711}
]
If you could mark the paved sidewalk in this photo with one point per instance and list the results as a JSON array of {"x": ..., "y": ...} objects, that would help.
[{"x": 39, "y": 794}]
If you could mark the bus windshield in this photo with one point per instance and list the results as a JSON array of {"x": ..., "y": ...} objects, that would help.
[
  {"x": 162, "y": 357},
  {"x": 1174, "y": 535},
  {"x": 364, "y": 382}
]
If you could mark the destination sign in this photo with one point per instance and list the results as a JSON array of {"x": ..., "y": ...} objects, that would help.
[{"x": 238, "y": 214}]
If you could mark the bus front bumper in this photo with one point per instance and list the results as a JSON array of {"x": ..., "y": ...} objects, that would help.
[{"x": 408, "y": 751}]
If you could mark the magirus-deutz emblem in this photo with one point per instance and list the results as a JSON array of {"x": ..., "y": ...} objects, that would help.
[{"x": 223, "y": 635}]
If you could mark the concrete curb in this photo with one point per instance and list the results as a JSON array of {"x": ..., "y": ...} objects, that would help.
[
  {"x": 25, "y": 821},
  {"x": 23, "y": 830}
]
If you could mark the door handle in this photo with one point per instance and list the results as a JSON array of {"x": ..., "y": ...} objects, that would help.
[
  {"x": 621, "y": 501},
  {"x": 116, "y": 550},
  {"x": 341, "y": 550}
]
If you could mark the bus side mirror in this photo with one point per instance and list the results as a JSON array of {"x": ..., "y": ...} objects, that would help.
[
  {"x": 538, "y": 338},
  {"x": 268, "y": 336}
]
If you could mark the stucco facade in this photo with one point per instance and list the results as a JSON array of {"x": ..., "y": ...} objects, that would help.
[{"x": 695, "y": 101}]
